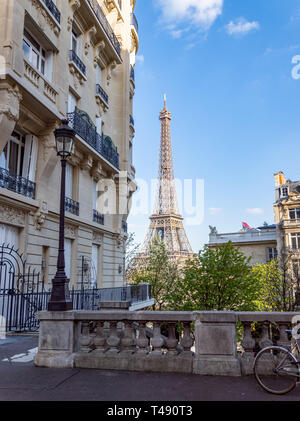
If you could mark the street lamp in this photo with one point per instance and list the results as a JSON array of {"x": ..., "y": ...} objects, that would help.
[{"x": 60, "y": 299}]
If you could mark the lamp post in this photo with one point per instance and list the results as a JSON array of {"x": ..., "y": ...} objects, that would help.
[{"x": 60, "y": 296}]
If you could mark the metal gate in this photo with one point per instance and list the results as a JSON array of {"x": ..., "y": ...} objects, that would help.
[{"x": 22, "y": 293}]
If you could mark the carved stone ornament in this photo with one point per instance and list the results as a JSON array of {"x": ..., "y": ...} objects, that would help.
[
  {"x": 14, "y": 216},
  {"x": 90, "y": 34},
  {"x": 70, "y": 232},
  {"x": 44, "y": 18},
  {"x": 40, "y": 216},
  {"x": 112, "y": 66},
  {"x": 87, "y": 163},
  {"x": 98, "y": 54},
  {"x": 97, "y": 238}
]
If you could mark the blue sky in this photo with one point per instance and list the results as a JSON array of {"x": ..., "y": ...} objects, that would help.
[{"x": 226, "y": 66}]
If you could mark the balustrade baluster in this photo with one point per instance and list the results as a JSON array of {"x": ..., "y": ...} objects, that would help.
[
  {"x": 157, "y": 341},
  {"x": 248, "y": 344},
  {"x": 100, "y": 338},
  {"x": 85, "y": 338},
  {"x": 186, "y": 340},
  {"x": 128, "y": 340},
  {"x": 142, "y": 340},
  {"x": 171, "y": 341},
  {"x": 283, "y": 335},
  {"x": 265, "y": 340},
  {"x": 113, "y": 341}
]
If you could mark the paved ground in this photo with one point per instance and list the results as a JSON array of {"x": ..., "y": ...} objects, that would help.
[{"x": 20, "y": 380}]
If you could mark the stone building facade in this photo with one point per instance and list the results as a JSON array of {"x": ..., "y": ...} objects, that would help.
[
  {"x": 259, "y": 244},
  {"x": 287, "y": 218},
  {"x": 67, "y": 59}
]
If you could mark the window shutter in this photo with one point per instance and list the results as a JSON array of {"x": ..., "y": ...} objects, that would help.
[
  {"x": 69, "y": 181},
  {"x": 49, "y": 65},
  {"x": 99, "y": 125},
  {"x": 68, "y": 256},
  {"x": 30, "y": 157}
]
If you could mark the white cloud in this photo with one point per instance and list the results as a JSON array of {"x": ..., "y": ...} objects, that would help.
[
  {"x": 255, "y": 211},
  {"x": 215, "y": 211},
  {"x": 140, "y": 59},
  {"x": 241, "y": 27},
  {"x": 199, "y": 13}
]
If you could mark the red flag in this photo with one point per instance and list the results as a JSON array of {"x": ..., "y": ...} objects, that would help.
[{"x": 246, "y": 226}]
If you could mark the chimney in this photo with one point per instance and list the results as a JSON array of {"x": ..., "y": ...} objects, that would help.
[{"x": 279, "y": 179}]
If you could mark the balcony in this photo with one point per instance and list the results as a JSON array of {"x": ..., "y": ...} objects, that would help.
[
  {"x": 17, "y": 184},
  {"x": 52, "y": 9},
  {"x": 73, "y": 57},
  {"x": 83, "y": 126},
  {"x": 100, "y": 92},
  {"x": 98, "y": 217},
  {"x": 134, "y": 22},
  {"x": 72, "y": 206},
  {"x": 105, "y": 25}
]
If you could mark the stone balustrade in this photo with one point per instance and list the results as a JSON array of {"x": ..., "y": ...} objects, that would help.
[{"x": 186, "y": 342}]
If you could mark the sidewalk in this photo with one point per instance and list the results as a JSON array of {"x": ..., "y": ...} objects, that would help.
[{"x": 20, "y": 380}]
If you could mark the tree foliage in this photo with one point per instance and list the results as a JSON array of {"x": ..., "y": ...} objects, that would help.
[
  {"x": 278, "y": 284},
  {"x": 158, "y": 270},
  {"x": 216, "y": 279}
]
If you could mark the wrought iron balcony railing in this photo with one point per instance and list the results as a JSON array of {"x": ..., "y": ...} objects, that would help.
[
  {"x": 84, "y": 127},
  {"x": 134, "y": 22},
  {"x": 72, "y": 206},
  {"x": 98, "y": 217},
  {"x": 17, "y": 184},
  {"x": 52, "y": 9},
  {"x": 105, "y": 25},
  {"x": 102, "y": 94},
  {"x": 132, "y": 73},
  {"x": 76, "y": 60},
  {"x": 131, "y": 119}
]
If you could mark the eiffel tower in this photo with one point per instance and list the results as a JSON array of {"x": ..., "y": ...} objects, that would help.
[{"x": 166, "y": 221}]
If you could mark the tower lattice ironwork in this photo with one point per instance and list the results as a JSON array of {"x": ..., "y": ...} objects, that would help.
[{"x": 166, "y": 221}]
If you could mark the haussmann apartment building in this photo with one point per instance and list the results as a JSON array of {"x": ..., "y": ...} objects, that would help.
[{"x": 69, "y": 59}]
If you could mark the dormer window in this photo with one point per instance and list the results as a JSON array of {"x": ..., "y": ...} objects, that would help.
[{"x": 284, "y": 191}]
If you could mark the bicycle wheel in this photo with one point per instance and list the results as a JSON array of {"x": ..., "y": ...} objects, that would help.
[{"x": 276, "y": 370}]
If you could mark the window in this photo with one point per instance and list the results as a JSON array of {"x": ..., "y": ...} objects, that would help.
[
  {"x": 296, "y": 269},
  {"x": 284, "y": 191},
  {"x": 34, "y": 52},
  {"x": 9, "y": 235},
  {"x": 76, "y": 41},
  {"x": 272, "y": 253},
  {"x": 294, "y": 213},
  {"x": 95, "y": 195},
  {"x": 19, "y": 156},
  {"x": 99, "y": 75},
  {"x": 72, "y": 102},
  {"x": 295, "y": 241}
]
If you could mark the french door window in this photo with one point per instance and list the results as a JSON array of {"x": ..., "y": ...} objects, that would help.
[
  {"x": 12, "y": 157},
  {"x": 295, "y": 213},
  {"x": 295, "y": 241},
  {"x": 34, "y": 52}
]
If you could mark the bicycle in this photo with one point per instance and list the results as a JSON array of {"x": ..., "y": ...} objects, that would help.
[{"x": 277, "y": 369}]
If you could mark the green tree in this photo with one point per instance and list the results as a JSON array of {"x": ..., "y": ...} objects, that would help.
[
  {"x": 278, "y": 283},
  {"x": 216, "y": 279},
  {"x": 159, "y": 271}
]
